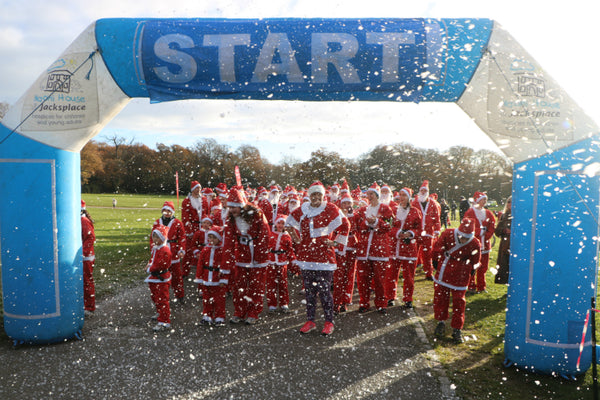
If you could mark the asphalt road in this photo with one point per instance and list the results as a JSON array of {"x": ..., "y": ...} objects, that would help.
[{"x": 369, "y": 356}]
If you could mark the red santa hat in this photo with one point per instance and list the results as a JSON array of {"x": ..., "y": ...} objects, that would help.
[
  {"x": 293, "y": 197},
  {"x": 396, "y": 195},
  {"x": 335, "y": 186},
  {"x": 161, "y": 231},
  {"x": 194, "y": 185},
  {"x": 467, "y": 227},
  {"x": 221, "y": 188},
  {"x": 375, "y": 188},
  {"x": 434, "y": 196},
  {"x": 479, "y": 196},
  {"x": 345, "y": 198},
  {"x": 169, "y": 206},
  {"x": 345, "y": 188},
  {"x": 209, "y": 219},
  {"x": 280, "y": 217},
  {"x": 408, "y": 192},
  {"x": 385, "y": 186},
  {"x": 316, "y": 187},
  {"x": 207, "y": 191},
  {"x": 274, "y": 189},
  {"x": 236, "y": 198},
  {"x": 261, "y": 191},
  {"x": 425, "y": 185},
  {"x": 216, "y": 231},
  {"x": 83, "y": 206}
]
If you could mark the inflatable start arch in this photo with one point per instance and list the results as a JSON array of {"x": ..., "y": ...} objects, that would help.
[{"x": 473, "y": 62}]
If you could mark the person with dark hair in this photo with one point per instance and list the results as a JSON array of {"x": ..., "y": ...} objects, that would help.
[
  {"x": 246, "y": 254},
  {"x": 88, "y": 238},
  {"x": 503, "y": 232},
  {"x": 444, "y": 213},
  {"x": 463, "y": 206}
]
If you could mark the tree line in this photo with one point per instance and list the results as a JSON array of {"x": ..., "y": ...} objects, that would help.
[{"x": 118, "y": 166}]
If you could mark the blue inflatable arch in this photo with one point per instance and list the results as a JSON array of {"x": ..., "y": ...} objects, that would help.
[{"x": 472, "y": 62}]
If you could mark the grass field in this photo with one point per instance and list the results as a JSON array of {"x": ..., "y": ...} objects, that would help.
[{"x": 475, "y": 367}]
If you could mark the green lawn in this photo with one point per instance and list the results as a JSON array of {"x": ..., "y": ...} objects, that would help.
[{"x": 475, "y": 367}]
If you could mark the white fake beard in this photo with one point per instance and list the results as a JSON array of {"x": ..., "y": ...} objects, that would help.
[
  {"x": 422, "y": 197},
  {"x": 273, "y": 198},
  {"x": 293, "y": 206},
  {"x": 196, "y": 202},
  {"x": 385, "y": 198}
]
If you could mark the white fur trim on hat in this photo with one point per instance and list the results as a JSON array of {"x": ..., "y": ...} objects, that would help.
[
  {"x": 316, "y": 189},
  {"x": 215, "y": 233}
]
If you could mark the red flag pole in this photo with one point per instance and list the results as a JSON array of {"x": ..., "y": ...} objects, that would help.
[
  {"x": 238, "y": 176},
  {"x": 177, "y": 186}
]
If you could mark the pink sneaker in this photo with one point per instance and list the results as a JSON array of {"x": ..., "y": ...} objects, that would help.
[
  {"x": 327, "y": 329},
  {"x": 308, "y": 326}
]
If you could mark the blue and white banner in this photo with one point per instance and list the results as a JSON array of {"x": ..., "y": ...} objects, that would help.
[{"x": 310, "y": 59}]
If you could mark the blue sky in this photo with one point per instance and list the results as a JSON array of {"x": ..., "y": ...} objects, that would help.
[{"x": 33, "y": 33}]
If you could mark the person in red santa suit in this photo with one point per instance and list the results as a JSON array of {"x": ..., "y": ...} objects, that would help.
[
  {"x": 485, "y": 226},
  {"x": 345, "y": 254},
  {"x": 334, "y": 194},
  {"x": 88, "y": 238},
  {"x": 317, "y": 227},
  {"x": 176, "y": 241},
  {"x": 246, "y": 253},
  {"x": 282, "y": 252},
  {"x": 455, "y": 256},
  {"x": 406, "y": 230},
  {"x": 430, "y": 226},
  {"x": 262, "y": 201},
  {"x": 274, "y": 197},
  {"x": 373, "y": 223},
  {"x": 159, "y": 279},
  {"x": 212, "y": 279},
  {"x": 387, "y": 197},
  {"x": 193, "y": 208}
]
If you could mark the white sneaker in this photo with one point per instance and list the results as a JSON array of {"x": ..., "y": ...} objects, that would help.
[
  {"x": 161, "y": 326},
  {"x": 251, "y": 321},
  {"x": 235, "y": 320},
  {"x": 155, "y": 317},
  {"x": 285, "y": 309},
  {"x": 272, "y": 309}
]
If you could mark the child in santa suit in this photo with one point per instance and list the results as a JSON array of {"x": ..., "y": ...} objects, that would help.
[
  {"x": 159, "y": 279},
  {"x": 176, "y": 240},
  {"x": 212, "y": 279},
  {"x": 282, "y": 252},
  {"x": 455, "y": 257},
  {"x": 485, "y": 226},
  {"x": 197, "y": 243},
  {"x": 345, "y": 256}
]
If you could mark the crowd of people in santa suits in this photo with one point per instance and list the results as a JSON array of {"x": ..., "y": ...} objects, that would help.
[{"x": 245, "y": 241}]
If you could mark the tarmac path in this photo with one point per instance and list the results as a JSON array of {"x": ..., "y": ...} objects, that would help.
[{"x": 369, "y": 356}]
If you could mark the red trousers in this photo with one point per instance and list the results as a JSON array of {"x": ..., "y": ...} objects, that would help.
[
  {"x": 441, "y": 304},
  {"x": 277, "y": 285},
  {"x": 425, "y": 252},
  {"x": 408, "y": 268},
  {"x": 249, "y": 291},
  {"x": 343, "y": 278},
  {"x": 89, "y": 288},
  {"x": 372, "y": 271},
  {"x": 159, "y": 292},
  {"x": 213, "y": 301},
  {"x": 177, "y": 279},
  {"x": 478, "y": 280}
]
